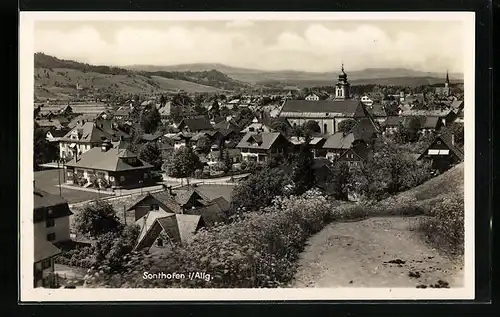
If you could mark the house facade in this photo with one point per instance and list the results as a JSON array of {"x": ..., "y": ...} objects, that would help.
[
  {"x": 51, "y": 217},
  {"x": 108, "y": 167},
  {"x": 51, "y": 226},
  {"x": 258, "y": 147},
  {"x": 87, "y": 135},
  {"x": 43, "y": 264},
  {"x": 443, "y": 153}
]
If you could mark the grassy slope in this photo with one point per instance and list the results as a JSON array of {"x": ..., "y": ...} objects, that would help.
[
  {"x": 62, "y": 83},
  {"x": 435, "y": 189}
]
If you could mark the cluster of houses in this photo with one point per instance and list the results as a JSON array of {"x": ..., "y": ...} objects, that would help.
[
  {"x": 94, "y": 146},
  {"x": 164, "y": 218}
]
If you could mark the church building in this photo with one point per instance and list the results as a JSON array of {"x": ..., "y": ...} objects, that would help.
[
  {"x": 328, "y": 113},
  {"x": 444, "y": 90}
]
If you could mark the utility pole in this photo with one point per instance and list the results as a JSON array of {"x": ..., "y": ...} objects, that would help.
[{"x": 59, "y": 178}]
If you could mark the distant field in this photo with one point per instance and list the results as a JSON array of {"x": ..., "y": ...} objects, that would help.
[
  {"x": 61, "y": 83},
  {"x": 174, "y": 84}
]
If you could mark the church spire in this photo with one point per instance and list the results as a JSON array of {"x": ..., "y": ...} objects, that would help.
[{"x": 447, "y": 77}]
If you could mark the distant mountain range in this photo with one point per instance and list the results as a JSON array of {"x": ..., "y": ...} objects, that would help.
[
  {"x": 58, "y": 78},
  {"x": 255, "y": 76}
]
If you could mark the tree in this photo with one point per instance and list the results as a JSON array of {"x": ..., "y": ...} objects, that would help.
[
  {"x": 227, "y": 163},
  {"x": 111, "y": 249},
  {"x": 97, "y": 218},
  {"x": 412, "y": 126},
  {"x": 312, "y": 127},
  {"x": 457, "y": 130},
  {"x": 203, "y": 144},
  {"x": 347, "y": 125},
  {"x": 163, "y": 100},
  {"x": 280, "y": 126},
  {"x": 43, "y": 150},
  {"x": 303, "y": 174},
  {"x": 150, "y": 119},
  {"x": 260, "y": 189},
  {"x": 151, "y": 153},
  {"x": 215, "y": 109},
  {"x": 199, "y": 109},
  {"x": 339, "y": 181},
  {"x": 183, "y": 163},
  {"x": 388, "y": 172}
]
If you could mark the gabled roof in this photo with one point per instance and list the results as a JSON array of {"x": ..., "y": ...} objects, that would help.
[
  {"x": 81, "y": 118},
  {"x": 191, "y": 194},
  {"x": 163, "y": 198},
  {"x": 393, "y": 121},
  {"x": 376, "y": 110},
  {"x": 264, "y": 140},
  {"x": 197, "y": 124},
  {"x": 364, "y": 130},
  {"x": 210, "y": 213},
  {"x": 178, "y": 227},
  {"x": 43, "y": 199},
  {"x": 347, "y": 107},
  {"x": 446, "y": 138},
  {"x": 110, "y": 160},
  {"x": 429, "y": 122},
  {"x": 226, "y": 127},
  {"x": 43, "y": 249},
  {"x": 152, "y": 137},
  {"x": 54, "y": 123},
  {"x": 339, "y": 141},
  {"x": 361, "y": 151}
]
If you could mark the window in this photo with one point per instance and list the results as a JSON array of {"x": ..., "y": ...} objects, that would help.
[
  {"x": 51, "y": 237},
  {"x": 145, "y": 175},
  {"x": 49, "y": 223},
  {"x": 325, "y": 128},
  {"x": 122, "y": 178},
  {"x": 101, "y": 175},
  {"x": 154, "y": 207},
  {"x": 49, "y": 211},
  {"x": 251, "y": 129},
  {"x": 46, "y": 264},
  {"x": 159, "y": 242}
]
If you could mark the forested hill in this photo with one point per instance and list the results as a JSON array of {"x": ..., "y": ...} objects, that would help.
[{"x": 211, "y": 78}]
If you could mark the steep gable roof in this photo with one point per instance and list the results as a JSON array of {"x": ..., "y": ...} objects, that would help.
[
  {"x": 264, "y": 140},
  {"x": 211, "y": 213},
  {"x": 446, "y": 138},
  {"x": 43, "y": 250},
  {"x": 163, "y": 198}
]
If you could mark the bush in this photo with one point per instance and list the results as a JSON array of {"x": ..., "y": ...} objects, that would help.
[
  {"x": 260, "y": 189},
  {"x": 445, "y": 227},
  {"x": 257, "y": 249}
]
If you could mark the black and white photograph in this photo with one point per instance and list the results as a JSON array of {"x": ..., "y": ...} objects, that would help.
[{"x": 249, "y": 156}]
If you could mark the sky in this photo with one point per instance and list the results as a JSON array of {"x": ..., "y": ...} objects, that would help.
[{"x": 318, "y": 46}]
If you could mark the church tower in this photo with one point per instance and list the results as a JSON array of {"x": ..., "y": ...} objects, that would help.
[
  {"x": 447, "y": 83},
  {"x": 342, "y": 90}
]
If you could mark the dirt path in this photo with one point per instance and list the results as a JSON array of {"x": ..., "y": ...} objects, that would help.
[{"x": 358, "y": 254}]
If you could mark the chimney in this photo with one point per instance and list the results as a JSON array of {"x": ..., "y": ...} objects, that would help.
[
  {"x": 106, "y": 145},
  {"x": 453, "y": 139}
]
